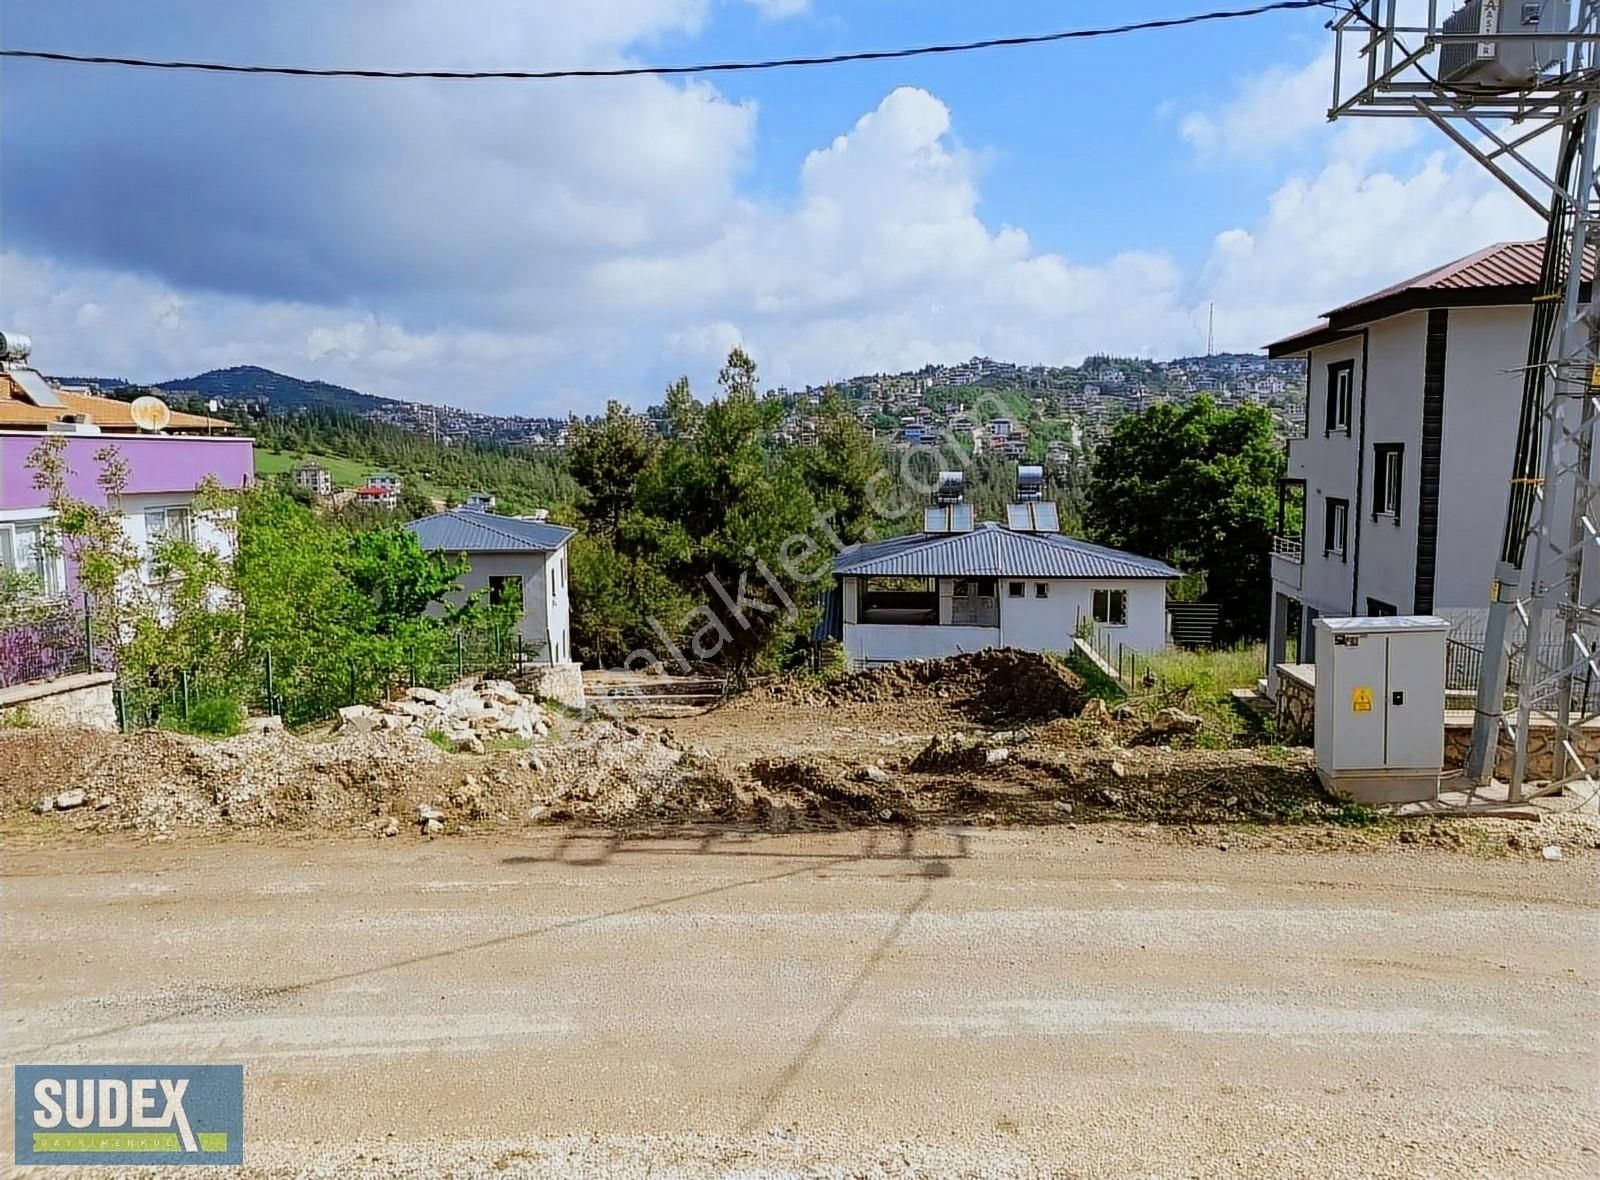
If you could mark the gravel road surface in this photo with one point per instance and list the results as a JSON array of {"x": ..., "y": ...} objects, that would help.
[{"x": 1070, "y": 1002}]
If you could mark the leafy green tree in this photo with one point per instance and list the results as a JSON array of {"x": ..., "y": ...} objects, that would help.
[
  {"x": 1197, "y": 486},
  {"x": 397, "y": 577},
  {"x": 606, "y": 460},
  {"x": 726, "y": 512},
  {"x": 838, "y": 471}
]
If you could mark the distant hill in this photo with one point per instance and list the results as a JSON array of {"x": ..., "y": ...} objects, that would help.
[{"x": 282, "y": 394}]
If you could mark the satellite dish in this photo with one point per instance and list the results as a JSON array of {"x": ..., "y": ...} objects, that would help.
[{"x": 150, "y": 413}]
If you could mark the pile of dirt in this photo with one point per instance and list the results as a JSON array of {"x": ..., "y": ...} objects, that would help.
[
  {"x": 997, "y": 686},
  {"x": 159, "y": 783}
]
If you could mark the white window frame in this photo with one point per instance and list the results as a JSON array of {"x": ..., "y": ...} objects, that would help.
[
  {"x": 1016, "y": 589},
  {"x": 50, "y": 566},
  {"x": 1110, "y": 594},
  {"x": 148, "y": 550}
]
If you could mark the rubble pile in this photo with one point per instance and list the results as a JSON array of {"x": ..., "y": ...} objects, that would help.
[{"x": 466, "y": 716}]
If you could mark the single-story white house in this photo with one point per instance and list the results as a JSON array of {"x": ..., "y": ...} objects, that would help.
[
  {"x": 511, "y": 557},
  {"x": 938, "y": 594}
]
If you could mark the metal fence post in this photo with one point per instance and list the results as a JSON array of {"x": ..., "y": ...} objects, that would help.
[
  {"x": 88, "y": 635},
  {"x": 271, "y": 698},
  {"x": 183, "y": 680},
  {"x": 461, "y": 655}
]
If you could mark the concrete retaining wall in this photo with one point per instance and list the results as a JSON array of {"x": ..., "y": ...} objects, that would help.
[{"x": 76, "y": 702}]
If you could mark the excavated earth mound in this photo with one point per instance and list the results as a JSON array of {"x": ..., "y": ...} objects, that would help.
[{"x": 997, "y": 686}]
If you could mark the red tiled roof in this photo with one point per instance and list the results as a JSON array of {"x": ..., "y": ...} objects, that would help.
[{"x": 1506, "y": 272}]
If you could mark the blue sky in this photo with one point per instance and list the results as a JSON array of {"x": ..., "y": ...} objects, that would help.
[{"x": 541, "y": 247}]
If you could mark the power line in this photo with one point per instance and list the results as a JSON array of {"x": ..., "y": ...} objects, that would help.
[{"x": 726, "y": 67}]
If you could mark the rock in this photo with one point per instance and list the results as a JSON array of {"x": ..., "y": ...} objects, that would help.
[
  {"x": 427, "y": 811},
  {"x": 67, "y": 800},
  {"x": 1551, "y": 851},
  {"x": 876, "y": 774},
  {"x": 1063, "y": 807},
  {"x": 538, "y": 811},
  {"x": 359, "y": 718},
  {"x": 269, "y": 724},
  {"x": 427, "y": 696},
  {"x": 432, "y": 827},
  {"x": 1175, "y": 721},
  {"x": 1096, "y": 712},
  {"x": 48, "y": 803},
  {"x": 540, "y": 728},
  {"x": 104, "y": 801},
  {"x": 392, "y": 828},
  {"x": 1124, "y": 713},
  {"x": 996, "y": 756},
  {"x": 1118, "y": 770},
  {"x": 886, "y": 815}
]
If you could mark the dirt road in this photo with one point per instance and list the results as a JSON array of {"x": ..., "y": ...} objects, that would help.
[{"x": 1064, "y": 1002}]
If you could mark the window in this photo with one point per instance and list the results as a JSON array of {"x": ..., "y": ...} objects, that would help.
[
  {"x": 1111, "y": 607},
  {"x": 1016, "y": 590},
  {"x": 1341, "y": 379},
  {"x": 1335, "y": 519},
  {"x": 1386, "y": 460},
  {"x": 23, "y": 550},
  {"x": 1041, "y": 589},
  {"x": 505, "y": 590},
  {"x": 168, "y": 524},
  {"x": 1381, "y": 610}
]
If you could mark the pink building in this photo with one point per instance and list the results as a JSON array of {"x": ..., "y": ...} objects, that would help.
[{"x": 165, "y": 465}]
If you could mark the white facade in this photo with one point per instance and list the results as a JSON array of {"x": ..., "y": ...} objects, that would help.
[
  {"x": 1395, "y": 559},
  {"x": 1031, "y": 621},
  {"x": 545, "y": 626}
]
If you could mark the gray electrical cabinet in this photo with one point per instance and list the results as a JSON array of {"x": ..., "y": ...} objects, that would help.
[
  {"x": 1498, "y": 66},
  {"x": 1380, "y": 706}
]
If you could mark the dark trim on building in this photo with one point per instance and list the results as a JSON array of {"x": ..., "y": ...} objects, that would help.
[
  {"x": 1361, "y": 469},
  {"x": 1430, "y": 461}
]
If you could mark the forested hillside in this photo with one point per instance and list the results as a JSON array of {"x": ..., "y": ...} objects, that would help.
[{"x": 522, "y": 480}]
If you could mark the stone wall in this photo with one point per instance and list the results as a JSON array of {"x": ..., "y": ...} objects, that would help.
[
  {"x": 1541, "y": 746},
  {"x": 76, "y": 702},
  {"x": 1297, "y": 702},
  {"x": 561, "y": 683}
]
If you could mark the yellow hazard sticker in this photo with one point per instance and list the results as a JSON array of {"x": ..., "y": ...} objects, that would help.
[{"x": 1361, "y": 700}]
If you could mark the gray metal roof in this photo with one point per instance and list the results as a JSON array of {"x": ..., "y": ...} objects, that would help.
[
  {"x": 463, "y": 530},
  {"x": 991, "y": 551}
]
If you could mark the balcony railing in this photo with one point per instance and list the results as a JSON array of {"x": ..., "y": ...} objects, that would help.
[{"x": 1289, "y": 548}]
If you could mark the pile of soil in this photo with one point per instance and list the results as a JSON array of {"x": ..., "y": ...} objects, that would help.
[
  {"x": 159, "y": 783},
  {"x": 996, "y": 686}
]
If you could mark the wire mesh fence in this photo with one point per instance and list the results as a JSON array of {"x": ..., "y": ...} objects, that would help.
[
  {"x": 307, "y": 691},
  {"x": 45, "y": 640}
]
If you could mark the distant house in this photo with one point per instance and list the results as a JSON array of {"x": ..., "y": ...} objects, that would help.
[
  {"x": 165, "y": 467},
  {"x": 378, "y": 496},
  {"x": 481, "y": 502},
  {"x": 939, "y": 593},
  {"x": 313, "y": 478},
  {"x": 1399, "y": 474},
  {"x": 514, "y": 559},
  {"x": 386, "y": 479}
]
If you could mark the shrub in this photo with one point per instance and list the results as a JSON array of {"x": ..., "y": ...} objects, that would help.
[{"x": 214, "y": 715}]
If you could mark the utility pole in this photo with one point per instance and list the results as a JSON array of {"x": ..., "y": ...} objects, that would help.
[
  {"x": 1495, "y": 79},
  {"x": 1211, "y": 330}
]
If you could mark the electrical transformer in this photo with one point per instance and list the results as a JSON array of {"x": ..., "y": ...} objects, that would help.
[
  {"x": 1380, "y": 706},
  {"x": 1502, "y": 65}
]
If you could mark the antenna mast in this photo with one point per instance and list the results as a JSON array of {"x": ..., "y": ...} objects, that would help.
[{"x": 1497, "y": 78}]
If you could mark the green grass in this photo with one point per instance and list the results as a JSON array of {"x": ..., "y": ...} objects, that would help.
[
  {"x": 346, "y": 473},
  {"x": 439, "y": 738},
  {"x": 505, "y": 743},
  {"x": 1202, "y": 682},
  {"x": 209, "y": 716}
]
